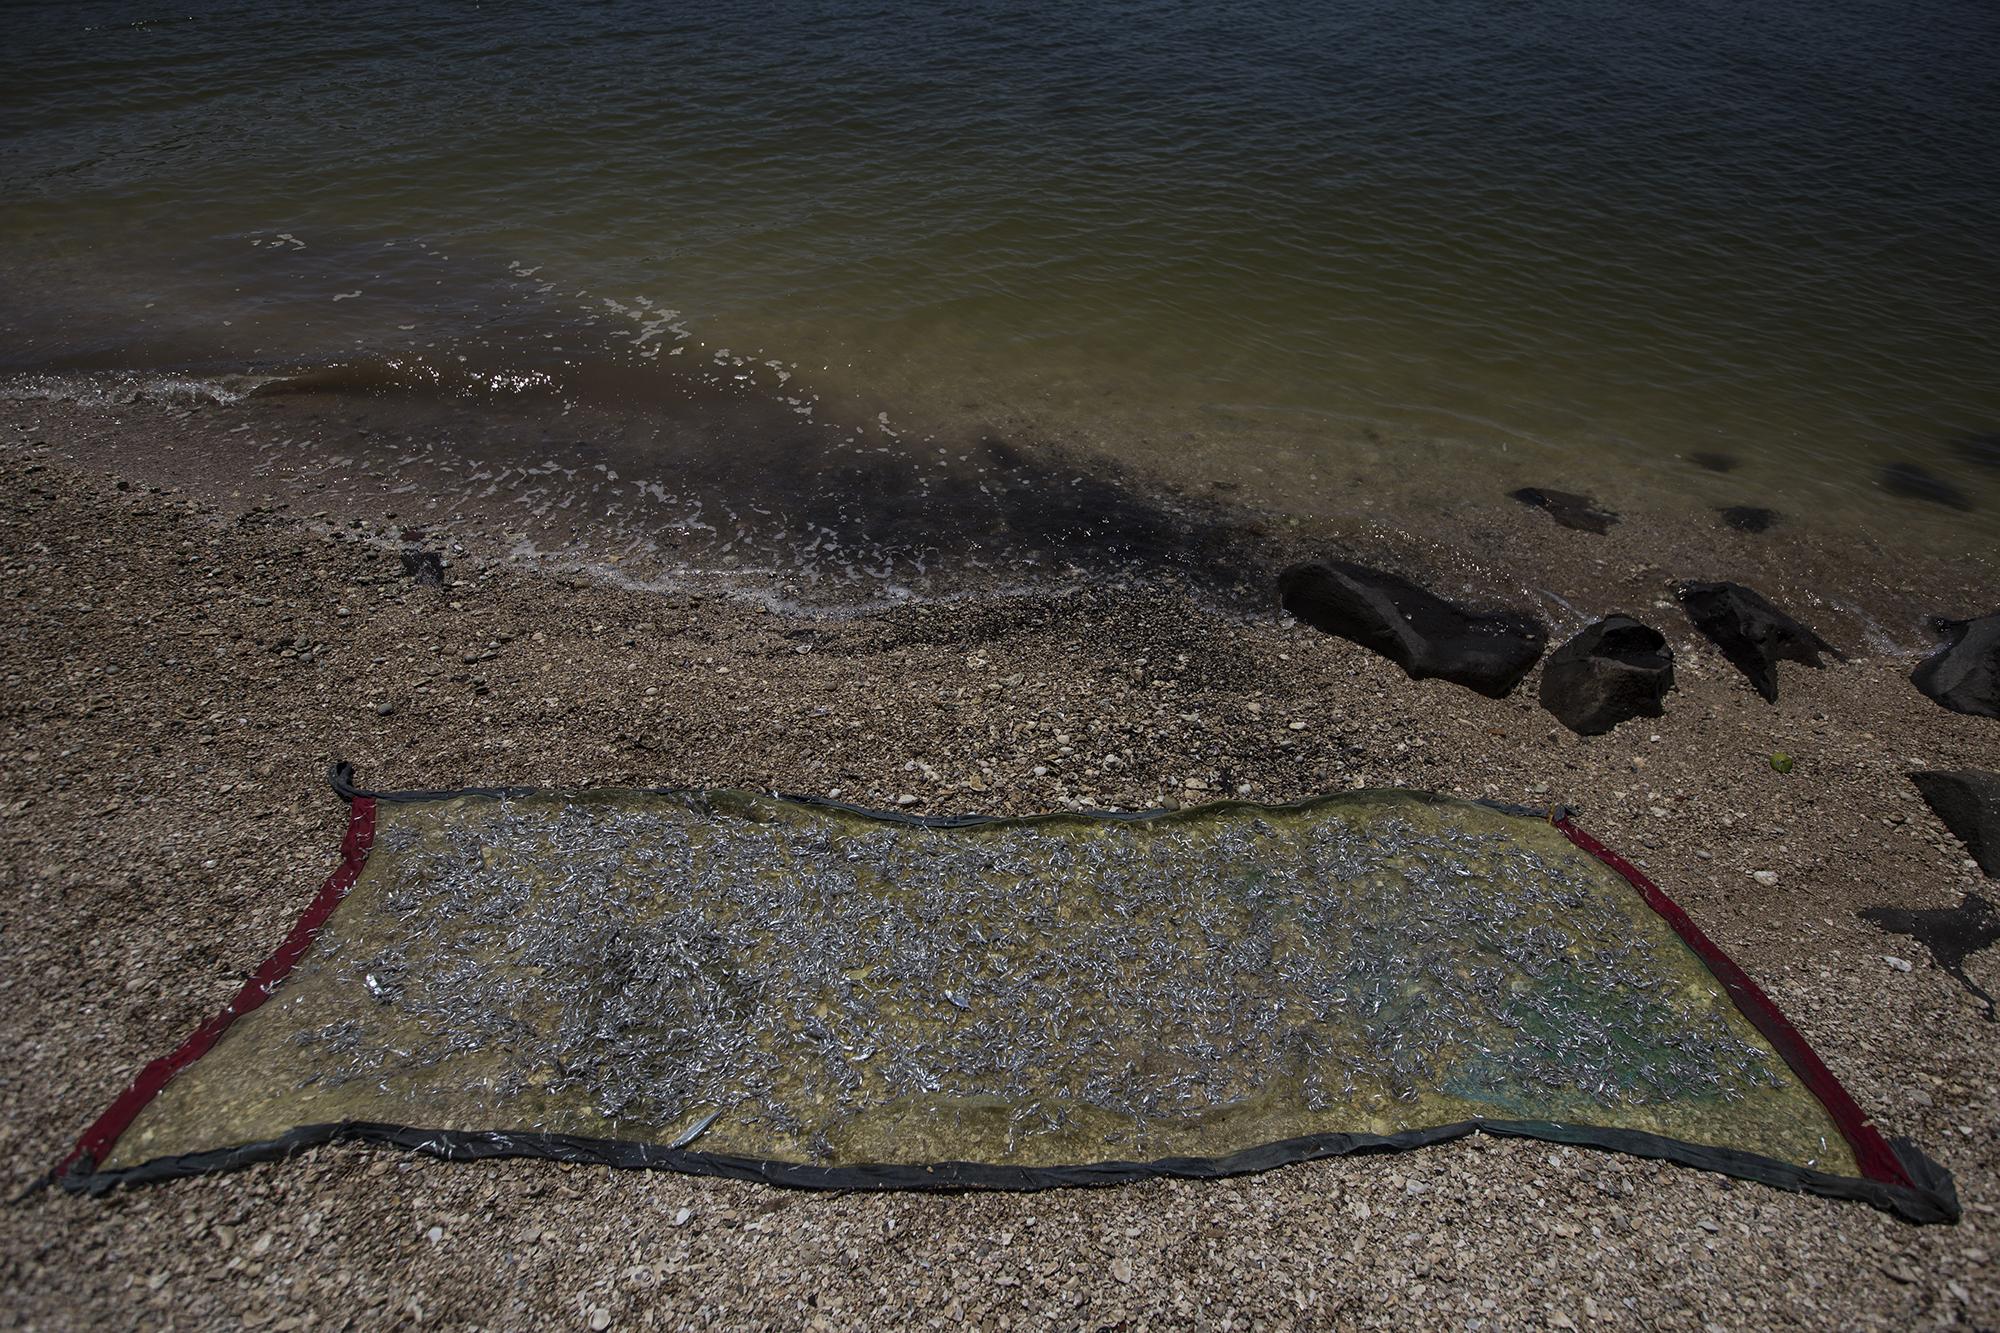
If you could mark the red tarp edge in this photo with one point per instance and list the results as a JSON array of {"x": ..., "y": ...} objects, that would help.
[
  {"x": 1871, "y": 1151},
  {"x": 97, "y": 1140}
]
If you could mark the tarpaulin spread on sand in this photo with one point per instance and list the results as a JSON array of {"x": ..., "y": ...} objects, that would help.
[{"x": 802, "y": 992}]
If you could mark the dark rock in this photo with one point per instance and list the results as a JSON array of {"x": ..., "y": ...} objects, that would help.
[
  {"x": 1752, "y": 634},
  {"x": 1615, "y": 670},
  {"x": 1714, "y": 462},
  {"x": 1914, "y": 483},
  {"x": 1983, "y": 449},
  {"x": 1964, "y": 673},
  {"x": 1952, "y": 934},
  {"x": 1572, "y": 511},
  {"x": 1968, "y": 801},
  {"x": 1748, "y": 518},
  {"x": 426, "y": 567},
  {"x": 1422, "y": 633}
]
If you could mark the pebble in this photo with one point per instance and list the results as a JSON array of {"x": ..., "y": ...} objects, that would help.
[
  {"x": 1900, "y": 964},
  {"x": 1765, "y": 877},
  {"x": 384, "y": 709}
]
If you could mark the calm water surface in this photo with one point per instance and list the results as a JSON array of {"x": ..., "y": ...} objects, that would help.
[{"x": 1456, "y": 246}]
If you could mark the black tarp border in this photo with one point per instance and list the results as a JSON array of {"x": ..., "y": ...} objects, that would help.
[{"x": 1934, "y": 1201}]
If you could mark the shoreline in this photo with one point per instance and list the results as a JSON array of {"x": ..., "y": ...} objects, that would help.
[
  {"x": 181, "y": 663},
  {"x": 722, "y": 493}
]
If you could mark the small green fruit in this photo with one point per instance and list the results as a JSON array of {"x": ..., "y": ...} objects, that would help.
[{"x": 1782, "y": 762}]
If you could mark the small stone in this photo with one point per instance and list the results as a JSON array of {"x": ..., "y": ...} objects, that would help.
[
  {"x": 600, "y": 1319},
  {"x": 1765, "y": 877},
  {"x": 1900, "y": 964},
  {"x": 1121, "y": 1269},
  {"x": 384, "y": 709},
  {"x": 683, "y": 1217},
  {"x": 434, "y": 1235}
]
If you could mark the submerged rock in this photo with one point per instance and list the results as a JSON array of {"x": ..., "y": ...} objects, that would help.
[
  {"x": 1964, "y": 673},
  {"x": 1615, "y": 670},
  {"x": 1968, "y": 801},
  {"x": 1417, "y": 630},
  {"x": 1952, "y": 934},
  {"x": 1570, "y": 510},
  {"x": 1748, "y": 518},
  {"x": 1983, "y": 449},
  {"x": 1915, "y": 483},
  {"x": 1753, "y": 634},
  {"x": 1714, "y": 462}
]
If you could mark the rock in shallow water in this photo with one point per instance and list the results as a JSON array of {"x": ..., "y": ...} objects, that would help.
[
  {"x": 1613, "y": 671},
  {"x": 1487, "y": 651},
  {"x": 1964, "y": 673},
  {"x": 1570, "y": 510},
  {"x": 1915, "y": 483},
  {"x": 1983, "y": 449},
  {"x": 1968, "y": 801},
  {"x": 1748, "y": 518},
  {"x": 1753, "y": 634}
]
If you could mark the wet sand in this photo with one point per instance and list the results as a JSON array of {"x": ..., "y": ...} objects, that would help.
[{"x": 192, "y": 634}]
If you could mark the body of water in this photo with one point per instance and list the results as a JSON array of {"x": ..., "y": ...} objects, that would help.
[{"x": 1729, "y": 252}]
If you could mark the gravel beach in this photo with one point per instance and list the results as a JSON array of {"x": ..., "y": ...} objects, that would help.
[{"x": 183, "y": 654}]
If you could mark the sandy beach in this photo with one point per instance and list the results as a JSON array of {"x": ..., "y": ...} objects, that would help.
[{"x": 186, "y": 647}]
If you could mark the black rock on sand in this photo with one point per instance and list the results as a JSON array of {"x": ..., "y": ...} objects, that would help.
[
  {"x": 1968, "y": 801},
  {"x": 1964, "y": 673},
  {"x": 1613, "y": 671},
  {"x": 1753, "y": 634},
  {"x": 1487, "y": 651}
]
